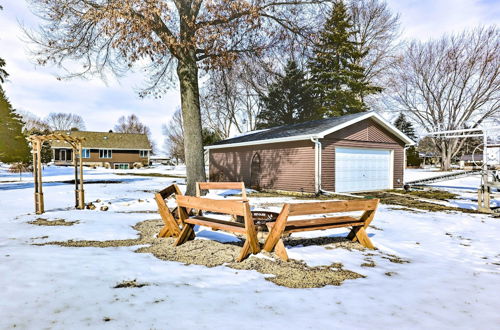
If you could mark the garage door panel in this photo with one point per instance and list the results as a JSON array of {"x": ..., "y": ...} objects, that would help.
[{"x": 362, "y": 169}]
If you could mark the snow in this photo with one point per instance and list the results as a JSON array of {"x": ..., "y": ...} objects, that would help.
[
  {"x": 413, "y": 174},
  {"x": 449, "y": 282},
  {"x": 465, "y": 187}
]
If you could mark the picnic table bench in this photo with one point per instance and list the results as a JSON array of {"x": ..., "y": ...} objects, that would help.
[
  {"x": 283, "y": 225},
  {"x": 229, "y": 207},
  {"x": 171, "y": 220},
  {"x": 222, "y": 186}
]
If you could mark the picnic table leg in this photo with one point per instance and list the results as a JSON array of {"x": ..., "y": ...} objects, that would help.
[
  {"x": 251, "y": 244},
  {"x": 245, "y": 251},
  {"x": 171, "y": 227},
  {"x": 280, "y": 250},
  {"x": 187, "y": 233},
  {"x": 367, "y": 217},
  {"x": 165, "y": 232},
  {"x": 277, "y": 231},
  {"x": 362, "y": 237}
]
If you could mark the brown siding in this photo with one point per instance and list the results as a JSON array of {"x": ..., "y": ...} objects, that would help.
[
  {"x": 118, "y": 156},
  {"x": 284, "y": 166},
  {"x": 365, "y": 134}
]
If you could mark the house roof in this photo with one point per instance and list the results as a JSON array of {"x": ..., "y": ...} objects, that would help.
[
  {"x": 470, "y": 158},
  {"x": 107, "y": 140},
  {"x": 307, "y": 130}
]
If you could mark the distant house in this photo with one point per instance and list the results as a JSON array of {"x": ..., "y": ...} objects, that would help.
[
  {"x": 107, "y": 149},
  {"x": 359, "y": 152}
]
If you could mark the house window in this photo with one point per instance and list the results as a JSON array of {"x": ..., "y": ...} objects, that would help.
[
  {"x": 122, "y": 166},
  {"x": 85, "y": 153},
  {"x": 105, "y": 153},
  {"x": 144, "y": 153}
]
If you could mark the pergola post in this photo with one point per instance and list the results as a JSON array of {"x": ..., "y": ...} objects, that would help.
[
  {"x": 37, "y": 176},
  {"x": 80, "y": 196}
]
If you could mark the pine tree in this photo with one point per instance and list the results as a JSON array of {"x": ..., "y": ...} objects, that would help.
[
  {"x": 412, "y": 156},
  {"x": 339, "y": 83},
  {"x": 3, "y": 73},
  {"x": 405, "y": 126},
  {"x": 13, "y": 144},
  {"x": 289, "y": 100}
]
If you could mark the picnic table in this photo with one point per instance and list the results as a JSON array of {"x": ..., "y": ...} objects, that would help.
[{"x": 193, "y": 211}]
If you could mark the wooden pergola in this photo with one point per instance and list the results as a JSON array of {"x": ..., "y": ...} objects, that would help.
[{"x": 36, "y": 145}]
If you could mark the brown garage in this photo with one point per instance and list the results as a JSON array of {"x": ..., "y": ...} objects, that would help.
[{"x": 358, "y": 152}]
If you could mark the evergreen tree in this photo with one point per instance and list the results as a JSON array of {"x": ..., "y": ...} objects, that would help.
[
  {"x": 339, "y": 83},
  {"x": 412, "y": 157},
  {"x": 405, "y": 126},
  {"x": 289, "y": 100},
  {"x": 13, "y": 144},
  {"x": 210, "y": 137},
  {"x": 3, "y": 73}
]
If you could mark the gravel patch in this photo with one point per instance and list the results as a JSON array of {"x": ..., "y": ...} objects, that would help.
[{"x": 292, "y": 274}]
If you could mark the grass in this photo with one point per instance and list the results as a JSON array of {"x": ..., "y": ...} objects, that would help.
[{"x": 430, "y": 194}]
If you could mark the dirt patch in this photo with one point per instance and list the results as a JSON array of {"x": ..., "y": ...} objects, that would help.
[
  {"x": 56, "y": 222},
  {"x": 412, "y": 203},
  {"x": 130, "y": 284},
  {"x": 441, "y": 195},
  {"x": 292, "y": 274},
  {"x": 395, "y": 259}
]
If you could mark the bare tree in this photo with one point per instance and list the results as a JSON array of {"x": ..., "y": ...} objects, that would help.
[
  {"x": 376, "y": 32},
  {"x": 131, "y": 124},
  {"x": 33, "y": 123},
  {"x": 174, "y": 36},
  {"x": 60, "y": 121},
  {"x": 450, "y": 83},
  {"x": 174, "y": 137},
  {"x": 230, "y": 97}
]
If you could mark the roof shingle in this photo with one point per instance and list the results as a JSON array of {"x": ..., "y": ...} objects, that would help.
[
  {"x": 107, "y": 140},
  {"x": 307, "y": 128}
]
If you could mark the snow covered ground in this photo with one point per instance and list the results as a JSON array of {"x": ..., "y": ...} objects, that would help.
[
  {"x": 413, "y": 174},
  {"x": 449, "y": 282},
  {"x": 465, "y": 187}
]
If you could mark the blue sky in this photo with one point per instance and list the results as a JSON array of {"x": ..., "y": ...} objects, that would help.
[{"x": 36, "y": 89}]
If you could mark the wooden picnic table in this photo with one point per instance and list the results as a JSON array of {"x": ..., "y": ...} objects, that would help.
[{"x": 315, "y": 216}]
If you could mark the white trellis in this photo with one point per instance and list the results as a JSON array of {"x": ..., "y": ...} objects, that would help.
[{"x": 489, "y": 176}]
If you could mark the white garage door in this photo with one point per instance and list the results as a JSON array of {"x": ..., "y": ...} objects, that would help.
[{"x": 362, "y": 169}]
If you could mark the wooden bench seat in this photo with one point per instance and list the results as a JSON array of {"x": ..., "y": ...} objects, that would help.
[
  {"x": 216, "y": 224},
  {"x": 222, "y": 186},
  {"x": 294, "y": 226},
  {"x": 229, "y": 207},
  {"x": 283, "y": 225}
]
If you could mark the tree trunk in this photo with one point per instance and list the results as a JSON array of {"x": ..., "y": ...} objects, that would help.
[
  {"x": 187, "y": 71},
  {"x": 445, "y": 158}
]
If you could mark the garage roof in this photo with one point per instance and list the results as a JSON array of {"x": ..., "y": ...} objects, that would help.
[{"x": 306, "y": 131}]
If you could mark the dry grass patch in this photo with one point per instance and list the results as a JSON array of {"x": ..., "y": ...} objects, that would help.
[
  {"x": 130, "y": 284},
  {"x": 56, "y": 222}
]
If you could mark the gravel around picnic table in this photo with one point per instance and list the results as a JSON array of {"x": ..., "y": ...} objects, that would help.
[{"x": 292, "y": 274}]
